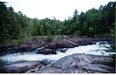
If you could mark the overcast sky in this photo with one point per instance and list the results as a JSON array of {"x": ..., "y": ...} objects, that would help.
[{"x": 61, "y": 9}]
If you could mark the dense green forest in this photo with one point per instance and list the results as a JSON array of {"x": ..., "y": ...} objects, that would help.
[{"x": 15, "y": 25}]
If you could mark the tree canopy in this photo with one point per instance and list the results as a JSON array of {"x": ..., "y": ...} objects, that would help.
[{"x": 14, "y": 25}]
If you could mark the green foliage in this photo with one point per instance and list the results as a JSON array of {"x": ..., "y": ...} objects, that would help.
[
  {"x": 93, "y": 22},
  {"x": 77, "y": 33},
  {"x": 20, "y": 41},
  {"x": 113, "y": 32},
  {"x": 49, "y": 38}
]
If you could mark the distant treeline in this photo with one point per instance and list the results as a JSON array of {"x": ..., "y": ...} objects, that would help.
[{"x": 14, "y": 25}]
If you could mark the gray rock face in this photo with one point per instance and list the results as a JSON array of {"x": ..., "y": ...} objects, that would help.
[
  {"x": 46, "y": 51},
  {"x": 79, "y": 63},
  {"x": 20, "y": 67},
  {"x": 76, "y": 63}
]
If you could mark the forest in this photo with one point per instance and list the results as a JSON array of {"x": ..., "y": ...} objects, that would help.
[{"x": 94, "y": 22}]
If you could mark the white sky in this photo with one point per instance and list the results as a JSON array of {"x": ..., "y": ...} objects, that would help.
[{"x": 60, "y": 9}]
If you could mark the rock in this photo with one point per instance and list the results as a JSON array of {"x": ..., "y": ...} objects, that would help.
[
  {"x": 20, "y": 67},
  {"x": 52, "y": 46},
  {"x": 46, "y": 62},
  {"x": 34, "y": 70},
  {"x": 59, "y": 44},
  {"x": 8, "y": 47},
  {"x": 49, "y": 70},
  {"x": 63, "y": 50},
  {"x": 69, "y": 61},
  {"x": 46, "y": 51},
  {"x": 5, "y": 49},
  {"x": 28, "y": 46},
  {"x": 23, "y": 48},
  {"x": 79, "y": 63},
  {"x": 86, "y": 43},
  {"x": 2, "y": 50},
  {"x": 70, "y": 41}
]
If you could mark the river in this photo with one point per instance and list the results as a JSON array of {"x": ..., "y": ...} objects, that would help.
[{"x": 99, "y": 48}]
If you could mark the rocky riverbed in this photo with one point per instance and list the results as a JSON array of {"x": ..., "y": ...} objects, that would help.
[
  {"x": 32, "y": 56},
  {"x": 77, "y": 63}
]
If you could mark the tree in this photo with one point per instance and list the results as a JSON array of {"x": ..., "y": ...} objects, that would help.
[
  {"x": 109, "y": 16},
  {"x": 93, "y": 22}
]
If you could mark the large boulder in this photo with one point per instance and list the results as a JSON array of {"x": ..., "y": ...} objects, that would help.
[
  {"x": 20, "y": 67},
  {"x": 46, "y": 51},
  {"x": 8, "y": 48},
  {"x": 59, "y": 44},
  {"x": 79, "y": 63}
]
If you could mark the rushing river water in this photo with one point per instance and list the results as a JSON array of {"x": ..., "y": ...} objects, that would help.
[{"x": 100, "y": 48}]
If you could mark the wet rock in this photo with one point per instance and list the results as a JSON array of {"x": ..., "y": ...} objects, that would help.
[
  {"x": 63, "y": 50},
  {"x": 46, "y": 51},
  {"x": 46, "y": 62}
]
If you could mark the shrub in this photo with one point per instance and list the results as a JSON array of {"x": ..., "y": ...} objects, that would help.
[
  {"x": 20, "y": 41},
  {"x": 49, "y": 38},
  {"x": 77, "y": 33}
]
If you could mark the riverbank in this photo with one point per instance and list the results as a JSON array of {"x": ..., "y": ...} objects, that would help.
[
  {"x": 36, "y": 60},
  {"x": 49, "y": 47}
]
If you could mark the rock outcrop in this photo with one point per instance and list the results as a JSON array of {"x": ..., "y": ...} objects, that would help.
[
  {"x": 55, "y": 43},
  {"x": 45, "y": 51},
  {"x": 20, "y": 67},
  {"x": 78, "y": 63}
]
